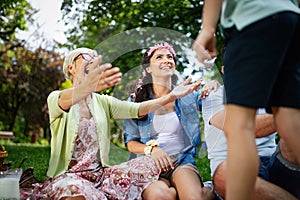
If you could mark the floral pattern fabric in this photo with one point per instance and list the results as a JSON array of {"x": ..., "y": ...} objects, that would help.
[{"x": 86, "y": 176}]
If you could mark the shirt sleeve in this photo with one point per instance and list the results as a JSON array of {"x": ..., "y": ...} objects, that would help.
[
  {"x": 212, "y": 104},
  {"x": 54, "y": 110},
  {"x": 124, "y": 109},
  {"x": 131, "y": 130}
]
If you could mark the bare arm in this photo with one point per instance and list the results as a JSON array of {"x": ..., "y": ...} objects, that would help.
[
  {"x": 264, "y": 123},
  {"x": 136, "y": 147},
  {"x": 205, "y": 43},
  {"x": 211, "y": 15},
  {"x": 178, "y": 92}
]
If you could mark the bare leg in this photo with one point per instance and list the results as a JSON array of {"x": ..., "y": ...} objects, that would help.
[
  {"x": 267, "y": 191},
  {"x": 159, "y": 190},
  {"x": 242, "y": 162},
  {"x": 219, "y": 179},
  {"x": 74, "y": 198},
  {"x": 188, "y": 185},
  {"x": 263, "y": 190},
  {"x": 288, "y": 126}
]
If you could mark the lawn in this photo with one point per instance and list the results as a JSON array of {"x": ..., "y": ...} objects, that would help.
[{"x": 38, "y": 157}]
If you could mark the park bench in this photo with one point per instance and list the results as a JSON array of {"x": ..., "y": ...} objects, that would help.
[{"x": 6, "y": 134}]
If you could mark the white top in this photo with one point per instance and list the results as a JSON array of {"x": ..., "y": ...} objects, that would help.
[
  {"x": 216, "y": 139},
  {"x": 170, "y": 134}
]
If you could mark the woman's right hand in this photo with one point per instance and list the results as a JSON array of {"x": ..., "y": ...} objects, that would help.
[
  {"x": 97, "y": 78},
  {"x": 162, "y": 159},
  {"x": 110, "y": 77}
]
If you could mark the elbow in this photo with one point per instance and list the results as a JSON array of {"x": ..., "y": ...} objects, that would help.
[{"x": 130, "y": 146}]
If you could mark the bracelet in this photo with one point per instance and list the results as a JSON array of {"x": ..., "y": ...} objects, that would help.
[
  {"x": 149, "y": 146},
  {"x": 152, "y": 143},
  {"x": 147, "y": 150}
]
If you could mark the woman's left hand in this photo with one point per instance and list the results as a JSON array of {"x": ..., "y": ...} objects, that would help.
[{"x": 185, "y": 88}]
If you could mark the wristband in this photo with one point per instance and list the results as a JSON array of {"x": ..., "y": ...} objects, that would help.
[
  {"x": 147, "y": 150},
  {"x": 149, "y": 146}
]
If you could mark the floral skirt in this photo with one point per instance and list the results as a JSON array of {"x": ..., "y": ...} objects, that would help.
[{"x": 125, "y": 181}]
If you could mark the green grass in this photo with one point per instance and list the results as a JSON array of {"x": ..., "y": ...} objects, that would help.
[{"x": 38, "y": 157}]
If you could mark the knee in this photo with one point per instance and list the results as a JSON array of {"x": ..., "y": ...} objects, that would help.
[
  {"x": 203, "y": 193},
  {"x": 219, "y": 179}
]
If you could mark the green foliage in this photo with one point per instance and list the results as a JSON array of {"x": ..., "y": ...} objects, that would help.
[
  {"x": 98, "y": 21},
  {"x": 12, "y": 18},
  {"x": 27, "y": 78},
  {"x": 122, "y": 30},
  {"x": 203, "y": 167}
]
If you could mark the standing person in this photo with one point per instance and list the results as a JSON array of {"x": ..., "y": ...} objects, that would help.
[
  {"x": 79, "y": 123},
  {"x": 213, "y": 117},
  {"x": 262, "y": 65},
  {"x": 170, "y": 134}
]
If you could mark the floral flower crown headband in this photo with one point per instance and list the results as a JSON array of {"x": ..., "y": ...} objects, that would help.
[{"x": 163, "y": 45}]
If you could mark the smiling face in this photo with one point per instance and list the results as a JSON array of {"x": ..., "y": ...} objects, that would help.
[{"x": 162, "y": 64}]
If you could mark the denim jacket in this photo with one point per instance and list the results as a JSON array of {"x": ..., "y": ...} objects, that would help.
[{"x": 186, "y": 109}]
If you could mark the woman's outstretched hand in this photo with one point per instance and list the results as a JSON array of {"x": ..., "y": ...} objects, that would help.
[
  {"x": 185, "y": 88},
  {"x": 98, "y": 77}
]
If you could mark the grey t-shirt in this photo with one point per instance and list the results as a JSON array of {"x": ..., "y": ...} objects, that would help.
[{"x": 241, "y": 13}]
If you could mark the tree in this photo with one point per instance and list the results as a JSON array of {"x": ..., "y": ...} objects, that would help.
[
  {"x": 26, "y": 80},
  {"x": 12, "y": 18},
  {"x": 96, "y": 21},
  {"x": 121, "y": 30}
]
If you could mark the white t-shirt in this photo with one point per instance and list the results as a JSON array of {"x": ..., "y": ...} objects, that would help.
[
  {"x": 170, "y": 134},
  {"x": 215, "y": 138}
]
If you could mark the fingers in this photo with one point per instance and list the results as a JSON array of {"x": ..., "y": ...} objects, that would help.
[
  {"x": 109, "y": 78},
  {"x": 205, "y": 48},
  {"x": 210, "y": 86},
  {"x": 204, "y": 92},
  {"x": 197, "y": 84},
  {"x": 162, "y": 160},
  {"x": 187, "y": 81}
]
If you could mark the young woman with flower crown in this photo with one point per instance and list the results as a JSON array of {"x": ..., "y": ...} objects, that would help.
[{"x": 170, "y": 134}]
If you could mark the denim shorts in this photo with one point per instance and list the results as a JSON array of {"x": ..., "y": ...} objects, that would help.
[
  {"x": 168, "y": 175},
  {"x": 263, "y": 170},
  {"x": 262, "y": 62},
  {"x": 284, "y": 174}
]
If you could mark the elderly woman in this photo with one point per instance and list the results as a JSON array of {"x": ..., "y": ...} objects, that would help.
[{"x": 79, "y": 122}]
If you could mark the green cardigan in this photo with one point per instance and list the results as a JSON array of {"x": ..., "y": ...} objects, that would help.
[{"x": 64, "y": 127}]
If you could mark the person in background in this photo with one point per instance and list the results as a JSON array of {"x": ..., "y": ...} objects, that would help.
[
  {"x": 171, "y": 134},
  {"x": 262, "y": 71},
  {"x": 80, "y": 128},
  {"x": 213, "y": 117}
]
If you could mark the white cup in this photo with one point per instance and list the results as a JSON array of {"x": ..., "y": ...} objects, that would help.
[{"x": 9, "y": 184}]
